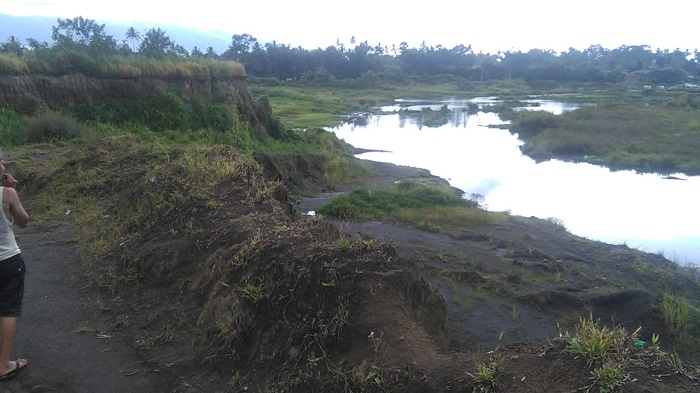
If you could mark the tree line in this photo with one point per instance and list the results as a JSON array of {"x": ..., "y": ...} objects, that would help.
[{"x": 282, "y": 61}]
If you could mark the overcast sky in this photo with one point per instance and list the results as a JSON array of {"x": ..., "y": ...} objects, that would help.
[{"x": 488, "y": 26}]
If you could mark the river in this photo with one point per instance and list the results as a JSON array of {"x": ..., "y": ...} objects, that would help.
[{"x": 645, "y": 211}]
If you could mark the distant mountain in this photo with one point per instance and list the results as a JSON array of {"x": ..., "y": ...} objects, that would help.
[{"x": 39, "y": 28}]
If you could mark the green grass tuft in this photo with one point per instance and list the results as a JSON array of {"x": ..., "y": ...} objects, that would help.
[{"x": 433, "y": 206}]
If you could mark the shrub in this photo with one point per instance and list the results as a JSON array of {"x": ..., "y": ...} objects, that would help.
[
  {"x": 530, "y": 123},
  {"x": 50, "y": 127},
  {"x": 12, "y": 127}
]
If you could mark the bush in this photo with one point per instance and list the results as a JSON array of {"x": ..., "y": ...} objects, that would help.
[
  {"x": 12, "y": 127},
  {"x": 50, "y": 127},
  {"x": 530, "y": 123}
]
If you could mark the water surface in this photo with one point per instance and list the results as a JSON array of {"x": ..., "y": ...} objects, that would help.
[{"x": 645, "y": 211}]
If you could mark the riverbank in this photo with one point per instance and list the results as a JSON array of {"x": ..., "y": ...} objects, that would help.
[
  {"x": 355, "y": 305},
  {"x": 523, "y": 283},
  {"x": 524, "y": 277}
]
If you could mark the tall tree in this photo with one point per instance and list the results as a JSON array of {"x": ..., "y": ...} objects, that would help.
[
  {"x": 156, "y": 43},
  {"x": 83, "y": 34},
  {"x": 133, "y": 35},
  {"x": 210, "y": 53},
  {"x": 13, "y": 45},
  {"x": 240, "y": 46}
]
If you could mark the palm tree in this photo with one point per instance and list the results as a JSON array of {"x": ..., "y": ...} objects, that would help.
[
  {"x": 133, "y": 35},
  {"x": 13, "y": 45},
  {"x": 210, "y": 54}
]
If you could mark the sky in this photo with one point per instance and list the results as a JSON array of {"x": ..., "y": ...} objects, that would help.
[{"x": 488, "y": 26}]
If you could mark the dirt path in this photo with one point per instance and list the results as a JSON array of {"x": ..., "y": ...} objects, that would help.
[{"x": 60, "y": 358}]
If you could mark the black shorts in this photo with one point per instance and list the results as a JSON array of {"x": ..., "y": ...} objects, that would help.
[{"x": 12, "y": 272}]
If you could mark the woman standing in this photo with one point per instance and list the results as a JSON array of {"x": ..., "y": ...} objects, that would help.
[{"x": 12, "y": 272}]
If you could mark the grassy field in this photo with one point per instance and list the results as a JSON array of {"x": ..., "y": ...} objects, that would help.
[{"x": 659, "y": 138}]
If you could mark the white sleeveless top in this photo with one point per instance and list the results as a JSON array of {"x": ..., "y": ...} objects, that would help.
[{"x": 8, "y": 244}]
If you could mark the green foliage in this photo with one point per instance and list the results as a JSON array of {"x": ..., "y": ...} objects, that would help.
[
  {"x": 530, "y": 123},
  {"x": 485, "y": 375},
  {"x": 55, "y": 61},
  {"x": 164, "y": 113},
  {"x": 609, "y": 377},
  {"x": 51, "y": 127},
  {"x": 429, "y": 206},
  {"x": 12, "y": 127},
  {"x": 367, "y": 204},
  {"x": 596, "y": 342},
  {"x": 84, "y": 35},
  {"x": 10, "y": 64},
  {"x": 667, "y": 75},
  {"x": 659, "y": 138},
  {"x": 62, "y": 61},
  {"x": 676, "y": 313}
]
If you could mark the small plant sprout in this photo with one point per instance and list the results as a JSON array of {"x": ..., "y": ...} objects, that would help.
[
  {"x": 485, "y": 375},
  {"x": 378, "y": 344},
  {"x": 312, "y": 360}
]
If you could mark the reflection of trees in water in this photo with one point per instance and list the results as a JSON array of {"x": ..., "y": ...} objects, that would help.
[
  {"x": 358, "y": 119},
  {"x": 429, "y": 117}
]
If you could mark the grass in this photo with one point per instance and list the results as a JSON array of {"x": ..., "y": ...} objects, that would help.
[
  {"x": 430, "y": 206},
  {"x": 60, "y": 62},
  {"x": 485, "y": 376},
  {"x": 600, "y": 342},
  {"x": 609, "y": 377},
  {"x": 660, "y": 138},
  {"x": 676, "y": 313},
  {"x": 608, "y": 351}
]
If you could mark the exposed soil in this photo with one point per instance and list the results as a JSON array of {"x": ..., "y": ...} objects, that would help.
[{"x": 251, "y": 297}]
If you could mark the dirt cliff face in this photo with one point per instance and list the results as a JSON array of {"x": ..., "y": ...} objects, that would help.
[{"x": 28, "y": 94}]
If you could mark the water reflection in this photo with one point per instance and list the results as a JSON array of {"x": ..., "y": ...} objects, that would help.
[{"x": 641, "y": 210}]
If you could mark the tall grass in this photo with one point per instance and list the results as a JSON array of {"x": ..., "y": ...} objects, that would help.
[
  {"x": 12, "y": 127},
  {"x": 60, "y": 62},
  {"x": 662, "y": 138},
  {"x": 676, "y": 312},
  {"x": 12, "y": 65},
  {"x": 51, "y": 127}
]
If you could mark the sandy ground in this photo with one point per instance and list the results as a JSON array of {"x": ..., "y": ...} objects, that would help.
[{"x": 61, "y": 359}]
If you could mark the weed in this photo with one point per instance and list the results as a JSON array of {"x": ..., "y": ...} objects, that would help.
[
  {"x": 609, "y": 377},
  {"x": 344, "y": 242},
  {"x": 312, "y": 360},
  {"x": 676, "y": 313},
  {"x": 370, "y": 243},
  {"x": 597, "y": 342},
  {"x": 255, "y": 292},
  {"x": 379, "y": 345},
  {"x": 485, "y": 375}
]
